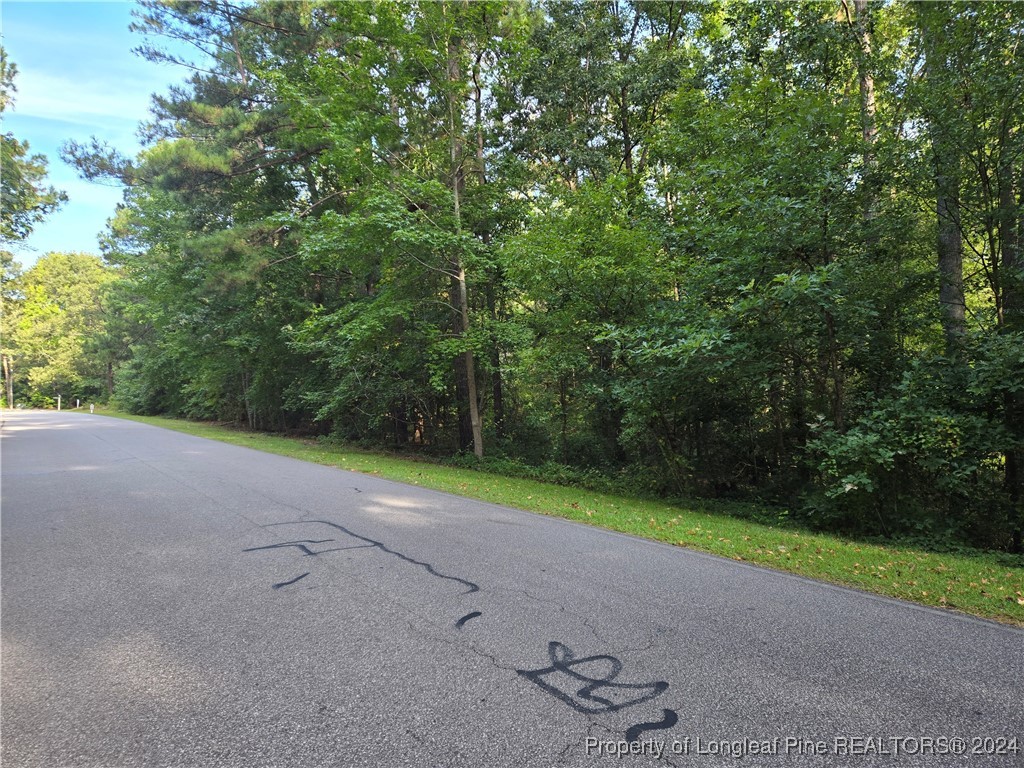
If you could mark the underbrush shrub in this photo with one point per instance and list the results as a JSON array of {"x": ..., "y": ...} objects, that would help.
[
  {"x": 526, "y": 440},
  {"x": 925, "y": 460},
  {"x": 546, "y": 472},
  {"x": 39, "y": 400},
  {"x": 142, "y": 387}
]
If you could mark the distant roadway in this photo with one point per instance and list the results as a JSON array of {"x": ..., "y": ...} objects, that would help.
[{"x": 173, "y": 601}]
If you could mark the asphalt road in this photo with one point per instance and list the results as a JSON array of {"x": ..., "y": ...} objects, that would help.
[{"x": 172, "y": 601}]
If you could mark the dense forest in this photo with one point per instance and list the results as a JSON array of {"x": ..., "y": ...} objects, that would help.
[{"x": 752, "y": 250}]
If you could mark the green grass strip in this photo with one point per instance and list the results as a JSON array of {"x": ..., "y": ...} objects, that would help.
[{"x": 988, "y": 585}]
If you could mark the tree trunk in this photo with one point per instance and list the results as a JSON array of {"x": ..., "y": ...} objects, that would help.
[
  {"x": 465, "y": 423},
  {"x": 865, "y": 76},
  {"x": 497, "y": 389},
  {"x": 468, "y": 363},
  {"x": 563, "y": 409},
  {"x": 833, "y": 353},
  {"x": 950, "y": 248},
  {"x": 8, "y": 381},
  {"x": 458, "y": 181},
  {"x": 1013, "y": 323},
  {"x": 242, "y": 70},
  {"x": 950, "y": 258},
  {"x": 400, "y": 421}
]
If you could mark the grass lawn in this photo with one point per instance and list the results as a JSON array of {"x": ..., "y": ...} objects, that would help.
[{"x": 989, "y": 585}]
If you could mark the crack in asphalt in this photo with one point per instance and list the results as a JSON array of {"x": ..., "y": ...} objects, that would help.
[
  {"x": 458, "y": 642},
  {"x": 585, "y": 618},
  {"x": 565, "y": 754},
  {"x": 651, "y": 642}
]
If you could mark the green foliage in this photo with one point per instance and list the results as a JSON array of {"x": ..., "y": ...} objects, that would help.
[
  {"x": 59, "y": 314},
  {"x": 684, "y": 248},
  {"x": 552, "y": 472},
  {"x": 24, "y": 200},
  {"x": 925, "y": 459}
]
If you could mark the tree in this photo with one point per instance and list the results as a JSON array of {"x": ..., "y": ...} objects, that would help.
[
  {"x": 398, "y": 100},
  {"x": 24, "y": 203},
  {"x": 62, "y": 312},
  {"x": 24, "y": 200},
  {"x": 200, "y": 235},
  {"x": 10, "y": 305},
  {"x": 738, "y": 248}
]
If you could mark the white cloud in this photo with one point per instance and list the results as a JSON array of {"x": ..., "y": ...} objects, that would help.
[{"x": 84, "y": 102}]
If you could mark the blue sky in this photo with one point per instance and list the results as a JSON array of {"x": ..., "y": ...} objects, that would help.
[{"x": 77, "y": 78}]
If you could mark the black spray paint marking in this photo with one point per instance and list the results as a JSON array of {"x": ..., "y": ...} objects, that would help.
[
  {"x": 300, "y": 544},
  {"x": 669, "y": 719},
  {"x": 467, "y": 617},
  {"x": 562, "y": 680},
  {"x": 470, "y": 586},
  {"x": 286, "y": 583}
]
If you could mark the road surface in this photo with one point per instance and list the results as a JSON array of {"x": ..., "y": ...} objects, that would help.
[{"x": 173, "y": 601}]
